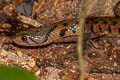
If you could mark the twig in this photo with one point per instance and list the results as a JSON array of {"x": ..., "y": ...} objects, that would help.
[{"x": 83, "y": 12}]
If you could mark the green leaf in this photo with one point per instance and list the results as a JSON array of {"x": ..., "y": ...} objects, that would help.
[{"x": 14, "y": 73}]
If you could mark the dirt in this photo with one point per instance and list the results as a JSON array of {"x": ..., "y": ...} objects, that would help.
[{"x": 58, "y": 61}]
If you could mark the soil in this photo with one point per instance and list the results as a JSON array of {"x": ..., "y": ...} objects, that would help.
[{"x": 58, "y": 61}]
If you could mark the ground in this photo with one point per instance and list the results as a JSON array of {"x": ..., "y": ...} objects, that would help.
[{"x": 58, "y": 61}]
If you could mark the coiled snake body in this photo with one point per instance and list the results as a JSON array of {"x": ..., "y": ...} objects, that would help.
[{"x": 52, "y": 33}]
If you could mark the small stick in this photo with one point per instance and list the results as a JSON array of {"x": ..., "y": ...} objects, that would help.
[{"x": 83, "y": 12}]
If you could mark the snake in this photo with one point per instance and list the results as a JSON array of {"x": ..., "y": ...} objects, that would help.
[{"x": 67, "y": 28}]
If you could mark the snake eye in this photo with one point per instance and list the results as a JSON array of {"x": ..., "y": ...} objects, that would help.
[{"x": 24, "y": 38}]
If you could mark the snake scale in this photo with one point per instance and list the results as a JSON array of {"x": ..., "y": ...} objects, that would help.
[{"x": 66, "y": 28}]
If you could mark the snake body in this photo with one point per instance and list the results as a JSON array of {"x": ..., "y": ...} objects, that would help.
[{"x": 66, "y": 28}]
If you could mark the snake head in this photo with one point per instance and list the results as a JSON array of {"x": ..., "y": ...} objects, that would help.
[{"x": 31, "y": 37}]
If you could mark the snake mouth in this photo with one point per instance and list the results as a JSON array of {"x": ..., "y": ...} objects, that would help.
[{"x": 31, "y": 41}]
